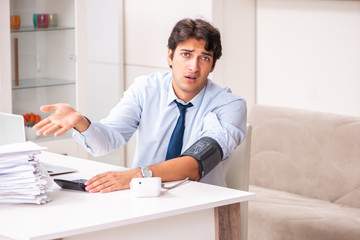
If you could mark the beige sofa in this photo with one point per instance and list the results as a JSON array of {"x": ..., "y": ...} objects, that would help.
[{"x": 305, "y": 171}]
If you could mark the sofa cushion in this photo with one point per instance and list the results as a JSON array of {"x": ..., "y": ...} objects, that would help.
[
  {"x": 280, "y": 215},
  {"x": 307, "y": 153}
]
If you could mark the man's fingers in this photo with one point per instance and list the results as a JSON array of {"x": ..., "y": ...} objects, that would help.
[
  {"x": 95, "y": 178},
  {"x": 42, "y": 123},
  {"x": 108, "y": 189},
  {"x": 52, "y": 128},
  {"x": 100, "y": 187},
  {"x": 105, "y": 182},
  {"x": 48, "y": 108},
  {"x": 44, "y": 128},
  {"x": 97, "y": 183},
  {"x": 60, "y": 132}
]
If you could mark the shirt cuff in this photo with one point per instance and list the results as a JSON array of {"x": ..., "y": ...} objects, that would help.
[{"x": 81, "y": 137}]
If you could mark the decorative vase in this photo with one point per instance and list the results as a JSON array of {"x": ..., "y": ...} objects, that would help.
[
  {"x": 15, "y": 22},
  {"x": 42, "y": 20},
  {"x": 30, "y": 134}
]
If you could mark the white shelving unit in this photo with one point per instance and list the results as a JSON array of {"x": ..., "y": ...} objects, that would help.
[{"x": 44, "y": 65}]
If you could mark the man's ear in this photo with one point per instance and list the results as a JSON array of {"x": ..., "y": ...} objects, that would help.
[{"x": 170, "y": 57}]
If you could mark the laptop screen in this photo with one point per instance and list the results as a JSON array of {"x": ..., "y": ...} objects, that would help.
[{"x": 12, "y": 128}]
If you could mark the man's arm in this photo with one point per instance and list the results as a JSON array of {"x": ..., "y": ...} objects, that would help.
[
  {"x": 171, "y": 170},
  {"x": 177, "y": 169},
  {"x": 196, "y": 162}
]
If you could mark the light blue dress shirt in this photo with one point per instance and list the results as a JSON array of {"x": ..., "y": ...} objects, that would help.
[{"x": 148, "y": 106}]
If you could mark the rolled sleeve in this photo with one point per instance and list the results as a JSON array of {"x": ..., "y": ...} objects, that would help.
[
  {"x": 81, "y": 139},
  {"x": 227, "y": 125},
  {"x": 99, "y": 139}
]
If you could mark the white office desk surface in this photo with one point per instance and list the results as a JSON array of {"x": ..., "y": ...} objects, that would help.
[{"x": 74, "y": 212}]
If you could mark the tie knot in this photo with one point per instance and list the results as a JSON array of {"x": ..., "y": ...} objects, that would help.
[{"x": 183, "y": 107}]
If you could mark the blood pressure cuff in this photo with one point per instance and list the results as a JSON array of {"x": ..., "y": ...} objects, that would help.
[{"x": 207, "y": 153}]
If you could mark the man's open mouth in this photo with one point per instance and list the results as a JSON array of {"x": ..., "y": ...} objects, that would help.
[{"x": 191, "y": 77}]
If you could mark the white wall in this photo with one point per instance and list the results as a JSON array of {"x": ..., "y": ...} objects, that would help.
[
  {"x": 308, "y": 54},
  {"x": 105, "y": 71},
  {"x": 237, "y": 67},
  {"x": 104, "y": 54}
]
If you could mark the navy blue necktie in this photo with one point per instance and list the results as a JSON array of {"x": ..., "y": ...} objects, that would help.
[{"x": 176, "y": 140}]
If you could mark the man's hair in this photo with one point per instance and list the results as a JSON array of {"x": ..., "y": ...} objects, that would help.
[{"x": 200, "y": 30}]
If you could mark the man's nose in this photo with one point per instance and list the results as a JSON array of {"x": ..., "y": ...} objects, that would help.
[{"x": 194, "y": 64}]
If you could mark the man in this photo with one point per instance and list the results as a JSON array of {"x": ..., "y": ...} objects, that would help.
[{"x": 215, "y": 120}]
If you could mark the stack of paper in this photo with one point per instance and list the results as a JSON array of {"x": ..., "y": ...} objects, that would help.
[{"x": 22, "y": 178}]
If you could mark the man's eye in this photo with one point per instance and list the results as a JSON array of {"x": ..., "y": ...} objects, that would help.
[
  {"x": 205, "y": 58},
  {"x": 185, "y": 54}
]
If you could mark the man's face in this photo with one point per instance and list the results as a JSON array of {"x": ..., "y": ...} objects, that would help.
[{"x": 191, "y": 65}]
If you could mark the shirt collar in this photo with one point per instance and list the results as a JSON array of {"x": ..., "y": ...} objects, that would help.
[{"x": 196, "y": 101}]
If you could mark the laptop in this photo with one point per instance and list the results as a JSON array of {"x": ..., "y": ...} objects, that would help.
[{"x": 12, "y": 130}]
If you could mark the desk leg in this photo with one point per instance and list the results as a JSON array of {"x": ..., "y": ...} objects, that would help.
[{"x": 227, "y": 222}]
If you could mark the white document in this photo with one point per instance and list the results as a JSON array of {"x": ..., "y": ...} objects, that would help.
[
  {"x": 17, "y": 148},
  {"x": 22, "y": 178}
]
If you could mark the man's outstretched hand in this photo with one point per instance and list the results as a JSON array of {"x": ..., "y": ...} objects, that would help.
[{"x": 63, "y": 118}]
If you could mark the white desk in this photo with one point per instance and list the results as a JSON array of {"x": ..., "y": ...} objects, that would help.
[{"x": 186, "y": 212}]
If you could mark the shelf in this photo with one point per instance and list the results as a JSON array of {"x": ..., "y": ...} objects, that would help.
[
  {"x": 50, "y": 138},
  {"x": 40, "y": 82},
  {"x": 30, "y": 134},
  {"x": 33, "y": 29}
]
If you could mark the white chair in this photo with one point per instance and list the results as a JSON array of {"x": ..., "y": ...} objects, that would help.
[{"x": 238, "y": 177}]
